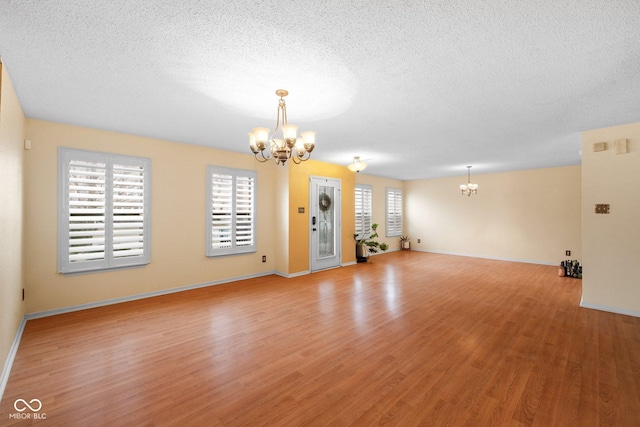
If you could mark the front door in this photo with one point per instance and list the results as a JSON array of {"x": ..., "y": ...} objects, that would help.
[{"x": 325, "y": 223}]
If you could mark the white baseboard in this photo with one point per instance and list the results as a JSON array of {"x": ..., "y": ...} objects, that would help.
[
  {"x": 289, "y": 276},
  {"x": 140, "y": 296},
  {"x": 616, "y": 310},
  {"x": 4, "y": 378}
]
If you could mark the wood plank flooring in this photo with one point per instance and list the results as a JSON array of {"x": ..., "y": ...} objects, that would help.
[{"x": 410, "y": 339}]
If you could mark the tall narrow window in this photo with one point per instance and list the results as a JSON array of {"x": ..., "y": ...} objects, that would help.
[
  {"x": 363, "y": 209},
  {"x": 103, "y": 211},
  {"x": 394, "y": 212},
  {"x": 231, "y": 211}
]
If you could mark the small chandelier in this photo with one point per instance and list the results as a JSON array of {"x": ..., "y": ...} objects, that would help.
[
  {"x": 289, "y": 147},
  {"x": 468, "y": 189},
  {"x": 357, "y": 165}
]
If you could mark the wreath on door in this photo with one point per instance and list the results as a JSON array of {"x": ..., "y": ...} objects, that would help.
[{"x": 324, "y": 202}]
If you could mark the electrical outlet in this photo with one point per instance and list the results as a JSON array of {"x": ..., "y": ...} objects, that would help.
[
  {"x": 567, "y": 253},
  {"x": 264, "y": 258},
  {"x": 418, "y": 240}
]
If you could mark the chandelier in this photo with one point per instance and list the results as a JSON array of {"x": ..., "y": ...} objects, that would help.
[
  {"x": 357, "y": 165},
  {"x": 468, "y": 189},
  {"x": 282, "y": 149}
]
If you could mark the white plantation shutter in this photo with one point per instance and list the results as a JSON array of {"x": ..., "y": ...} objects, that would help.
[
  {"x": 128, "y": 211},
  {"x": 231, "y": 211},
  {"x": 86, "y": 216},
  {"x": 245, "y": 196},
  {"x": 221, "y": 197},
  {"x": 363, "y": 199},
  {"x": 394, "y": 212},
  {"x": 103, "y": 218}
]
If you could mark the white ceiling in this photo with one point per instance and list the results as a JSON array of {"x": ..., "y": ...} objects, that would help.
[{"x": 420, "y": 89}]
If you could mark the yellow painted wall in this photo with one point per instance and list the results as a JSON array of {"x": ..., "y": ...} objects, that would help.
[
  {"x": 281, "y": 224},
  {"x": 299, "y": 222},
  {"x": 611, "y": 242},
  {"x": 530, "y": 215},
  {"x": 177, "y": 218},
  {"x": 12, "y": 121},
  {"x": 379, "y": 194}
]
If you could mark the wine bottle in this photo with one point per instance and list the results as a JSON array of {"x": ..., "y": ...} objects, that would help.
[{"x": 561, "y": 269}]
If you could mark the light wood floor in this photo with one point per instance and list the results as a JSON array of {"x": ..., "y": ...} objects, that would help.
[{"x": 410, "y": 339}]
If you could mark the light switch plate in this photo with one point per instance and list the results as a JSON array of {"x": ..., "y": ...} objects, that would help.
[
  {"x": 621, "y": 146},
  {"x": 600, "y": 146}
]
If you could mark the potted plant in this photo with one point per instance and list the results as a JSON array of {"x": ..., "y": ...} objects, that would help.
[
  {"x": 367, "y": 245},
  {"x": 404, "y": 243}
]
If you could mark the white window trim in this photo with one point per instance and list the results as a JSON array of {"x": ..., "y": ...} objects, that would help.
[
  {"x": 395, "y": 231},
  {"x": 365, "y": 188},
  {"x": 234, "y": 173},
  {"x": 65, "y": 266}
]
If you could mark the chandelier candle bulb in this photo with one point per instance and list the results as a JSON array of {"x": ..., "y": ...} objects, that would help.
[
  {"x": 309, "y": 140},
  {"x": 289, "y": 133},
  {"x": 261, "y": 137}
]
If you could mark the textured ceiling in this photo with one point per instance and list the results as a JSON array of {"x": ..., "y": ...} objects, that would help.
[{"x": 419, "y": 89}]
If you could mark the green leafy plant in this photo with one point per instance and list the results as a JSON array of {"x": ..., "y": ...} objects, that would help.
[{"x": 368, "y": 242}]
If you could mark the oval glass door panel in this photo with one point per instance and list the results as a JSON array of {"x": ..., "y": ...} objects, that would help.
[{"x": 326, "y": 230}]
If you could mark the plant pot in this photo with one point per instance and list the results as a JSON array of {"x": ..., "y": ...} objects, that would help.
[
  {"x": 405, "y": 246},
  {"x": 361, "y": 253}
]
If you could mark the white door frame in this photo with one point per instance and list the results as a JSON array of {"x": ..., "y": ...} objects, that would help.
[{"x": 315, "y": 263}]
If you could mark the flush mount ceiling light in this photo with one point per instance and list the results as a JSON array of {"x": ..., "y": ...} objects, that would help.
[
  {"x": 289, "y": 146},
  {"x": 357, "y": 165},
  {"x": 468, "y": 189}
]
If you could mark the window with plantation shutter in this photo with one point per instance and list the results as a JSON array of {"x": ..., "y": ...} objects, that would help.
[
  {"x": 103, "y": 218},
  {"x": 363, "y": 200},
  {"x": 231, "y": 211},
  {"x": 394, "y": 212}
]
